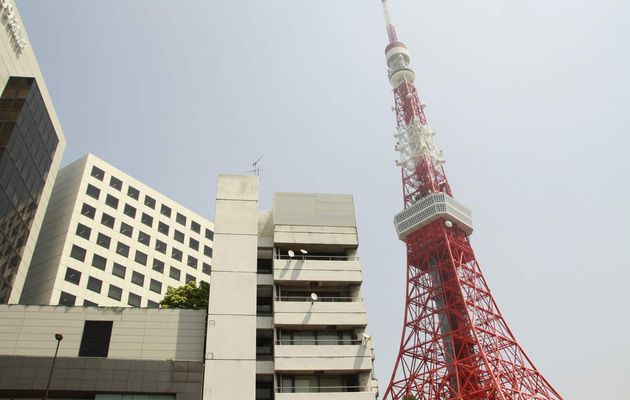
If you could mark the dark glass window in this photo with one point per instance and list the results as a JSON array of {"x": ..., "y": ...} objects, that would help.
[
  {"x": 140, "y": 258},
  {"x": 152, "y": 304},
  {"x": 83, "y": 231},
  {"x": 114, "y": 292},
  {"x": 99, "y": 262},
  {"x": 190, "y": 278},
  {"x": 144, "y": 238},
  {"x": 115, "y": 183},
  {"x": 158, "y": 265},
  {"x": 95, "y": 338},
  {"x": 160, "y": 246},
  {"x": 119, "y": 270},
  {"x": 206, "y": 268},
  {"x": 126, "y": 229},
  {"x": 129, "y": 211},
  {"x": 133, "y": 192},
  {"x": 94, "y": 284},
  {"x": 147, "y": 219},
  {"x": 88, "y": 211},
  {"x": 88, "y": 303},
  {"x": 155, "y": 286},
  {"x": 192, "y": 262},
  {"x": 122, "y": 249},
  {"x": 137, "y": 278},
  {"x": 193, "y": 244},
  {"x": 103, "y": 240},
  {"x": 108, "y": 220},
  {"x": 163, "y": 228},
  {"x": 93, "y": 191},
  {"x": 207, "y": 251},
  {"x": 98, "y": 173},
  {"x": 72, "y": 276},
  {"x": 165, "y": 210},
  {"x": 264, "y": 266},
  {"x": 134, "y": 300},
  {"x": 209, "y": 234},
  {"x": 176, "y": 254},
  {"x": 174, "y": 273},
  {"x": 111, "y": 201},
  {"x": 180, "y": 219},
  {"x": 67, "y": 299},
  {"x": 149, "y": 201},
  {"x": 77, "y": 253},
  {"x": 179, "y": 236},
  {"x": 195, "y": 227}
]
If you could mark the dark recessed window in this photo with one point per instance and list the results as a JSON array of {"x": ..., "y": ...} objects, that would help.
[
  {"x": 119, "y": 270},
  {"x": 88, "y": 303},
  {"x": 83, "y": 231},
  {"x": 114, "y": 292},
  {"x": 137, "y": 278},
  {"x": 190, "y": 278},
  {"x": 158, "y": 265},
  {"x": 93, "y": 191},
  {"x": 144, "y": 238},
  {"x": 140, "y": 258},
  {"x": 108, "y": 220},
  {"x": 209, "y": 234},
  {"x": 99, "y": 262},
  {"x": 134, "y": 300},
  {"x": 77, "y": 253},
  {"x": 163, "y": 228},
  {"x": 206, "y": 268},
  {"x": 111, "y": 201},
  {"x": 174, "y": 273},
  {"x": 160, "y": 246},
  {"x": 195, "y": 227},
  {"x": 192, "y": 262},
  {"x": 207, "y": 251},
  {"x": 193, "y": 244},
  {"x": 95, "y": 338},
  {"x": 152, "y": 304},
  {"x": 115, "y": 183},
  {"x": 72, "y": 276},
  {"x": 94, "y": 284},
  {"x": 264, "y": 266},
  {"x": 67, "y": 299},
  {"x": 129, "y": 211},
  {"x": 126, "y": 229},
  {"x": 165, "y": 210},
  {"x": 122, "y": 249},
  {"x": 180, "y": 219},
  {"x": 103, "y": 240},
  {"x": 88, "y": 211},
  {"x": 176, "y": 254},
  {"x": 179, "y": 236},
  {"x": 98, "y": 173},
  {"x": 133, "y": 192},
  {"x": 155, "y": 286},
  {"x": 149, "y": 201},
  {"x": 147, "y": 220}
]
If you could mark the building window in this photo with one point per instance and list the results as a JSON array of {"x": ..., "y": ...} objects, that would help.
[
  {"x": 133, "y": 193},
  {"x": 158, "y": 265},
  {"x": 88, "y": 303},
  {"x": 129, "y": 211},
  {"x": 179, "y": 236},
  {"x": 195, "y": 227},
  {"x": 140, "y": 258},
  {"x": 134, "y": 300},
  {"x": 94, "y": 284},
  {"x": 147, "y": 220},
  {"x": 72, "y": 276},
  {"x": 192, "y": 262},
  {"x": 137, "y": 278},
  {"x": 207, "y": 251},
  {"x": 264, "y": 386},
  {"x": 209, "y": 234},
  {"x": 67, "y": 299},
  {"x": 122, "y": 249},
  {"x": 98, "y": 173},
  {"x": 111, "y": 201},
  {"x": 108, "y": 220},
  {"x": 83, "y": 231},
  {"x": 99, "y": 262},
  {"x": 165, "y": 210},
  {"x": 126, "y": 229},
  {"x": 176, "y": 254},
  {"x": 180, "y": 219},
  {"x": 115, "y": 183},
  {"x": 144, "y": 238},
  {"x": 119, "y": 270},
  {"x": 160, "y": 246},
  {"x": 163, "y": 228},
  {"x": 149, "y": 201},
  {"x": 95, "y": 338},
  {"x": 93, "y": 191},
  {"x": 103, "y": 240},
  {"x": 206, "y": 268},
  {"x": 77, "y": 253},
  {"x": 88, "y": 211},
  {"x": 190, "y": 278},
  {"x": 264, "y": 344},
  {"x": 114, "y": 292},
  {"x": 264, "y": 266},
  {"x": 155, "y": 286},
  {"x": 174, "y": 273},
  {"x": 193, "y": 244},
  {"x": 152, "y": 304}
]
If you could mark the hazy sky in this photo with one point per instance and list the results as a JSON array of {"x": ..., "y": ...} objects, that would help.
[{"x": 530, "y": 101}]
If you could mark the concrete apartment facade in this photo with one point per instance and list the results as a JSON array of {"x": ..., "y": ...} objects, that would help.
[
  {"x": 110, "y": 240},
  {"x": 31, "y": 147}
]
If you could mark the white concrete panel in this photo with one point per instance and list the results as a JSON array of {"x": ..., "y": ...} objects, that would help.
[
  {"x": 231, "y": 337},
  {"x": 237, "y": 187},
  {"x": 319, "y": 313},
  {"x": 230, "y": 379},
  {"x": 229, "y": 254},
  {"x": 326, "y": 396},
  {"x": 322, "y": 357},
  {"x": 317, "y": 270}
]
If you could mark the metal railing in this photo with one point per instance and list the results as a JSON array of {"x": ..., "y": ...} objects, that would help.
[
  {"x": 324, "y": 299},
  {"x": 316, "y": 257},
  {"x": 322, "y": 389},
  {"x": 317, "y": 342}
]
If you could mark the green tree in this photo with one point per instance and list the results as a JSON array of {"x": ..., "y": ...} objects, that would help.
[
  {"x": 187, "y": 296},
  {"x": 409, "y": 397}
]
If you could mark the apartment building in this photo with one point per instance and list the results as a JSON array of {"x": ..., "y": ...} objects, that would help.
[{"x": 109, "y": 240}]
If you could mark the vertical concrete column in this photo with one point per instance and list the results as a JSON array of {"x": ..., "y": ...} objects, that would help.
[{"x": 230, "y": 370}]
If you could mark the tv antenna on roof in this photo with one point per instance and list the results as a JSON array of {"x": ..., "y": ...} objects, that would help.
[{"x": 256, "y": 170}]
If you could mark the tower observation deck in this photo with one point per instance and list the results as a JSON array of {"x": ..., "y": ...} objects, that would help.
[{"x": 455, "y": 343}]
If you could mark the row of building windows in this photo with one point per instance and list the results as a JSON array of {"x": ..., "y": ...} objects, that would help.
[{"x": 113, "y": 292}]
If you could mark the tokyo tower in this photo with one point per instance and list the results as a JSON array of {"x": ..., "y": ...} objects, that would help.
[{"x": 455, "y": 343}]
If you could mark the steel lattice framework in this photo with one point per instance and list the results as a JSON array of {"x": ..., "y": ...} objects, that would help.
[{"x": 455, "y": 343}]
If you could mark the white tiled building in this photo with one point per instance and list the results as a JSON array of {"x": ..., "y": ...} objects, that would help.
[{"x": 110, "y": 240}]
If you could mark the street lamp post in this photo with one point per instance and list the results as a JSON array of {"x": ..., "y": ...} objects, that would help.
[{"x": 58, "y": 336}]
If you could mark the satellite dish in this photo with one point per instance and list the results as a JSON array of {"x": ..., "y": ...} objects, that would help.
[
  {"x": 366, "y": 336},
  {"x": 314, "y": 296},
  {"x": 448, "y": 224},
  {"x": 303, "y": 251},
  {"x": 291, "y": 253}
]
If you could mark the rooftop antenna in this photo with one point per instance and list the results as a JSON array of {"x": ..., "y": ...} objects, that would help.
[{"x": 256, "y": 170}]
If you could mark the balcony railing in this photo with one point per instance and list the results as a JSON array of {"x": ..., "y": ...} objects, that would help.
[
  {"x": 316, "y": 257},
  {"x": 317, "y": 342},
  {"x": 322, "y": 389},
  {"x": 324, "y": 299}
]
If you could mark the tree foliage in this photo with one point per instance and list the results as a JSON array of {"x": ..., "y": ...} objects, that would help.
[
  {"x": 409, "y": 397},
  {"x": 187, "y": 296}
]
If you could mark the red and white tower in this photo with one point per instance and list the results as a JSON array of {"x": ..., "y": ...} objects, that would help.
[{"x": 455, "y": 343}]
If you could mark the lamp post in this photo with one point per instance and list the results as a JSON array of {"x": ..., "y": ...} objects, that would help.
[{"x": 59, "y": 337}]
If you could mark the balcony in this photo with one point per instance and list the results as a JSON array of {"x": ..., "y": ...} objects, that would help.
[
  {"x": 297, "y": 357},
  {"x": 316, "y": 268},
  {"x": 330, "y": 393},
  {"x": 341, "y": 311}
]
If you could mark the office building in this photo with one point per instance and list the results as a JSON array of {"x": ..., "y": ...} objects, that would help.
[
  {"x": 31, "y": 146},
  {"x": 110, "y": 240}
]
